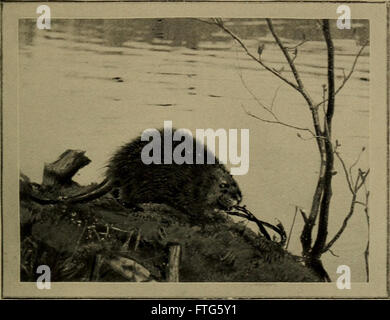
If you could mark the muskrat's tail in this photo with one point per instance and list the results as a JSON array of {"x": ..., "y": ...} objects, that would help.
[
  {"x": 44, "y": 201},
  {"x": 100, "y": 190}
]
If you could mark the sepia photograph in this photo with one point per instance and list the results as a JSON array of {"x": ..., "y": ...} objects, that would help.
[{"x": 181, "y": 150}]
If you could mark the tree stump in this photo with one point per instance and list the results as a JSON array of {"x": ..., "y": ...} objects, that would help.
[
  {"x": 174, "y": 263},
  {"x": 60, "y": 172},
  {"x": 99, "y": 259}
]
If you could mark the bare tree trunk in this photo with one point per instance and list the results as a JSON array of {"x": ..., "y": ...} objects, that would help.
[
  {"x": 319, "y": 212},
  {"x": 318, "y": 268},
  {"x": 329, "y": 154}
]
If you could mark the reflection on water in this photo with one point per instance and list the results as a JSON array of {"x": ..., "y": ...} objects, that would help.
[
  {"x": 184, "y": 32},
  {"x": 95, "y": 84}
]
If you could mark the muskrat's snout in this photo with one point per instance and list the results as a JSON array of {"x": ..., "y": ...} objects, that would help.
[
  {"x": 238, "y": 197},
  {"x": 230, "y": 199},
  {"x": 236, "y": 200}
]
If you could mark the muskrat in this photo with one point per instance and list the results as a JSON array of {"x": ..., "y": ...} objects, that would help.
[{"x": 191, "y": 188}]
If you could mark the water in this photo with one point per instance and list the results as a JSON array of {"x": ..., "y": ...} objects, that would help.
[{"x": 193, "y": 74}]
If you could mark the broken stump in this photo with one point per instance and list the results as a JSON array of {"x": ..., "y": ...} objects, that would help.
[
  {"x": 174, "y": 263},
  {"x": 61, "y": 171}
]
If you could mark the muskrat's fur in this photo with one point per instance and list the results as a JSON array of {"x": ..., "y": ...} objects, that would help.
[{"x": 191, "y": 188}]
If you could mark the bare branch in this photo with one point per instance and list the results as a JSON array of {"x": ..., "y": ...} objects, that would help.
[
  {"x": 352, "y": 68},
  {"x": 348, "y": 172},
  {"x": 347, "y": 176},
  {"x": 220, "y": 24},
  {"x": 300, "y": 86},
  {"x": 356, "y": 161},
  {"x": 343, "y": 226},
  {"x": 274, "y": 97},
  {"x": 333, "y": 254},
  {"x": 356, "y": 188},
  {"x": 252, "y": 218},
  {"x": 306, "y": 235},
  {"x": 295, "y": 55},
  {"x": 204, "y": 21},
  {"x": 277, "y": 121},
  {"x": 269, "y": 110},
  {"x": 366, "y": 256},
  {"x": 304, "y": 215},
  {"x": 292, "y": 226},
  {"x": 363, "y": 176},
  {"x": 298, "y": 45},
  {"x": 313, "y": 137},
  {"x": 348, "y": 76},
  {"x": 245, "y": 213},
  {"x": 361, "y": 203},
  {"x": 367, "y": 251}
]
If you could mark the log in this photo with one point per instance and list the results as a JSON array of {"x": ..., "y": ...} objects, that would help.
[
  {"x": 129, "y": 269},
  {"x": 174, "y": 263},
  {"x": 60, "y": 172}
]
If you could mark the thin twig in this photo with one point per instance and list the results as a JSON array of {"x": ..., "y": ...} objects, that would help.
[
  {"x": 220, "y": 24},
  {"x": 355, "y": 163},
  {"x": 347, "y": 176},
  {"x": 346, "y": 77},
  {"x": 300, "y": 87},
  {"x": 298, "y": 45},
  {"x": 278, "y": 122},
  {"x": 259, "y": 223},
  {"x": 78, "y": 241},
  {"x": 292, "y": 226},
  {"x": 333, "y": 254},
  {"x": 245, "y": 213},
  {"x": 363, "y": 176},
  {"x": 274, "y": 97},
  {"x": 304, "y": 215},
  {"x": 137, "y": 240},
  {"x": 268, "y": 109},
  {"x": 357, "y": 186},
  {"x": 367, "y": 251}
]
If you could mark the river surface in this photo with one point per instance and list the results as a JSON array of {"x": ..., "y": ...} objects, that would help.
[{"x": 193, "y": 74}]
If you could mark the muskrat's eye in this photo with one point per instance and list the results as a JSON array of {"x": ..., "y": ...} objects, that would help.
[{"x": 223, "y": 185}]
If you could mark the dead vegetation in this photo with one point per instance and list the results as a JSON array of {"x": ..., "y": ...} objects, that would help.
[{"x": 103, "y": 241}]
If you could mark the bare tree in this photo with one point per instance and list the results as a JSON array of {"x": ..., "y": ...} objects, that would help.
[{"x": 314, "y": 241}]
